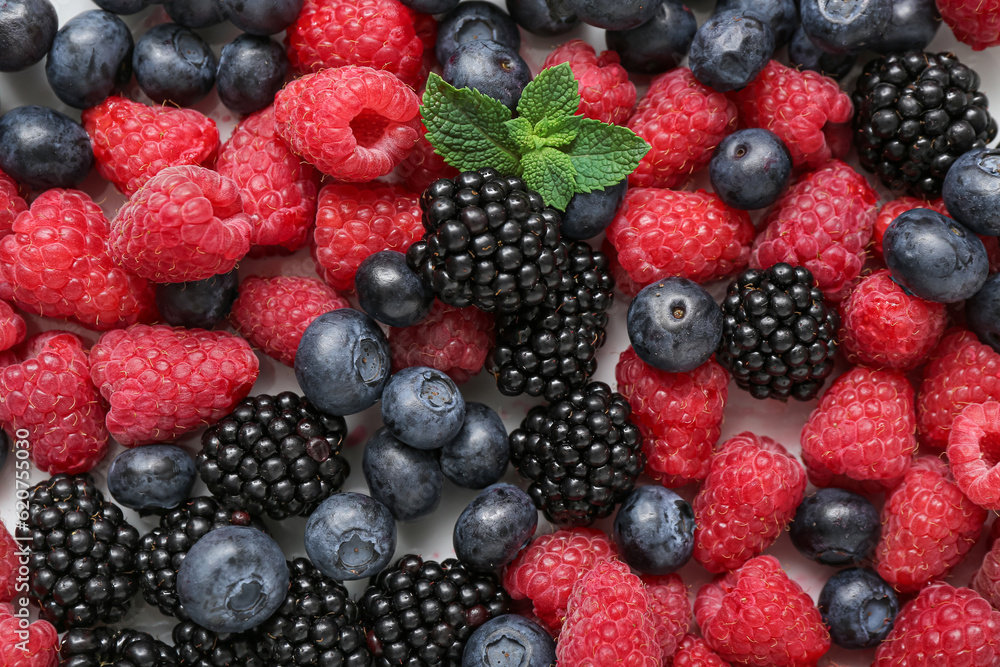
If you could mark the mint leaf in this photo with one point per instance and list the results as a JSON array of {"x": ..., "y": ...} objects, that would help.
[
  {"x": 557, "y": 132},
  {"x": 602, "y": 154},
  {"x": 549, "y": 172},
  {"x": 553, "y": 93},
  {"x": 521, "y": 134}
]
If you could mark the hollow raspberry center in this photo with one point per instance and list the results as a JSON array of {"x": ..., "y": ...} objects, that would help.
[
  {"x": 368, "y": 127},
  {"x": 990, "y": 448}
]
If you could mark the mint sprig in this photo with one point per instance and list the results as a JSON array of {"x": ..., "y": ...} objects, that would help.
[{"x": 556, "y": 152}]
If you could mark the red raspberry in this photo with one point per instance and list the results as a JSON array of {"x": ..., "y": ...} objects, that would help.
[
  {"x": 679, "y": 415},
  {"x": 12, "y": 326},
  {"x": 623, "y": 281},
  {"x": 748, "y": 498},
  {"x": 683, "y": 121},
  {"x": 186, "y": 223},
  {"x": 756, "y": 615},
  {"x": 353, "y": 123},
  {"x": 42, "y": 643},
  {"x": 11, "y": 203},
  {"x": 659, "y": 233},
  {"x": 547, "y": 569},
  {"x": 10, "y": 553},
  {"x": 986, "y": 580},
  {"x": 670, "y": 609},
  {"x": 608, "y": 623},
  {"x": 974, "y": 22},
  {"x": 162, "y": 382},
  {"x": 695, "y": 652},
  {"x": 606, "y": 94},
  {"x": 278, "y": 189},
  {"x": 355, "y": 221},
  {"x": 452, "y": 340},
  {"x": 892, "y": 209},
  {"x": 823, "y": 222},
  {"x": 50, "y": 394},
  {"x": 273, "y": 313},
  {"x": 928, "y": 525},
  {"x": 943, "y": 625},
  {"x": 972, "y": 453},
  {"x": 133, "y": 141},
  {"x": 423, "y": 166}
]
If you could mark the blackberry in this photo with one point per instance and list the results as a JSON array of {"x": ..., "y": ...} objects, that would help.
[
  {"x": 420, "y": 613},
  {"x": 550, "y": 350},
  {"x": 277, "y": 455},
  {"x": 489, "y": 242},
  {"x": 200, "y": 647},
  {"x": 916, "y": 113},
  {"x": 80, "y": 572},
  {"x": 582, "y": 454},
  {"x": 777, "y": 334},
  {"x": 104, "y": 647}
]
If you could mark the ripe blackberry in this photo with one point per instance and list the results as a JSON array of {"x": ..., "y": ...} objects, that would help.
[
  {"x": 200, "y": 647},
  {"x": 582, "y": 454},
  {"x": 80, "y": 572},
  {"x": 420, "y": 613},
  {"x": 489, "y": 242},
  {"x": 277, "y": 455},
  {"x": 550, "y": 350},
  {"x": 104, "y": 647},
  {"x": 916, "y": 113},
  {"x": 777, "y": 334}
]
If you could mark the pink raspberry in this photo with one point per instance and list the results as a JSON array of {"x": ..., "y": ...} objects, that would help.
[
  {"x": 695, "y": 652},
  {"x": 42, "y": 644},
  {"x": 670, "y": 609},
  {"x": 606, "y": 94},
  {"x": 974, "y": 22},
  {"x": 423, "y": 166},
  {"x": 892, "y": 209},
  {"x": 12, "y": 203},
  {"x": 12, "y": 327},
  {"x": 986, "y": 580},
  {"x": 10, "y": 554},
  {"x": 452, "y": 340},
  {"x": 974, "y": 451},
  {"x": 623, "y": 281}
]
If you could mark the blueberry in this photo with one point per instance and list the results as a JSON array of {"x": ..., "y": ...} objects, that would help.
[
  {"x": 42, "y": 148},
  {"x": 674, "y": 325},
  {"x": 654, "y": 530},
  {"x": 199, "y": 304},
  {"x": 489, "y": 67},
  {"x": 390, "y": 292},
  {"x": 509, "y": 640},
  {"x": 835, "y": 527},
  {"x": 845, "y": 26},
  {"x": 730, "y": 49},
  {"x": 252, "y": 70},
  {"x": 475, "y": 21},
  {"x": 4, "y": 448},
  {"x": 750, "y": 169},
  {"x": 152, "y": 477},
  {"x": 617, "y": 15},
  {"x": 543, "y": 17},
  {"x": 859, "y": 607},
  {"x": 478, "y": 455},
  {"x": 970, "y": 190},
  {"x": 350, "y": 536},
  {"x": 934, "y": 257},
  {"x": 911, "y": 27},
  {"x": 232, "y": 579},
  {"x": 343, "y": 362},
  {"x": 261, "y": 17},
  {"x": 494, "y": 527},
  {"x": 422, "y": 407},
  {"x": 659, "y": 44},
  {"x": 804, "y": 54},
  {"x": 27, "y": 28},
  {"x": 122, "y": 6},
  {"x": 781, "y": 15},
  {"x": 589, "y": 213},
  {"x": 406, "y": 480},
  {"x": 431, "y": 6},
  {"x": 173, "y": 64},
  {"x": 982, "y": 312},
  {"x": 194, "y": 13},
  {"x": 91, "y": 58}
]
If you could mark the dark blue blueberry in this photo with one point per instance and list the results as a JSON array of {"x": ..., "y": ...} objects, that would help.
[
  {"x": 750, "y": 169},
  {"x": 390, "y": 292},
  {"x": 660, "y": 43},
  {"x": 911, "y": 27},
  {"x": 543, "y": 17},
  {"x": 42, "y": 148},
  {"x": 835, "y": 527},
  {"x": 970, "y": 190},
  {"x": 934, "y": 257},
  {"x": 478, "y": 455},
  {"x": 173, "y": 64},
  {"x": 845, "y": 26},
  {"x": 781, "y": 15},
  {"x": 422, "y": 407},
  {"x": 199, "y": 304},
  {"x": 491, "y": 68},
  {"x": 509, "y": 640},
  {"x": 27, "y": 28},
  {"x": 617, "y": 15},
  {"x": 152, "y": 477},
  {"x": 589, "y": 213},
  {"x": 4, "y": 448},
  {"x": 674, "y": 325},
  {"x": 982, "y": 312},
  {"x": 494, "y": 527},
  {"x": 406, "y": 480},
  {"x": 261, "y": 17},
  {"x": 194, "y": 13},
  {"x": 475, "y": 21},
  {"x": 123, "y": 7},
  {"x": 730, "y": 49},
  {"x": 232, "y": 579},
  {"x": 350, "y": 536},
  {"x": 90, "y": 58},
  {"x": 654, "y": 530},
  {"x": 251, "y": 70},
  {"x": 859, "y": 607},
  {"x": 431, "y": 6},
  {"x": 343, "y": 362},
  {"x": 804, "y": 54}
]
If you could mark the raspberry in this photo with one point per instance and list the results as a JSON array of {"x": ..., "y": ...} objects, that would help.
[
  {"x": 974, "y": 22},
  {"x": 12, "y": 327},
  {"x": 12, "y": 203},
  {"x": 423, "y": 166},
  {"x": 133, "y": 141},
  {"x": 352, "y": 123},
  {"x": 679, "y": 415},
  {"x": 892, "y": 209},
  {"x": 42, "y": 641},
  {"x": 749, "y": 496},
  {"x": 273, "y": 313},
  {"x": 973, "y": 453},
  {"x": 683, "y": 121},
  {"x": 756, "y": 615},
  {"x": 986, "y": 580},
  {"x": 57, "y": 263},
  {"x": 670, "y": 609},
  {"x": 623, "y": 281},
  {"x": 162, "y": 381},
  {"x": 928, "y": 525},
  {"x": 10, "y": 551},
  {"x": 659, "y": 233},
  {"x": 608, "y": 621},
  {"x": 355, "y": 221},
  {"x": 823, "y": 222},
  {"x": 795, "y": 106},
  {"x": 278, "y": 189},
  {"x": 452, "y": 340},
  {"x": 606, "y": 94},
  {"x": 693, "y": 651}
]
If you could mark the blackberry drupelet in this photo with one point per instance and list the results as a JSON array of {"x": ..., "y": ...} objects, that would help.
[
  {"x": 274, "y": 455},
  {"x": 420, "y": 613},
  {"x": 200, "y": 647},
  {"x": 915, "y": 114},
  {"x": 104, "y": 647},
  {"x": 550, "y": 350},
  {"x": 777, "y": 333},
  {"x": 80, "y": 572},
  {"x": 489, "y": 242},
  {"x": 582, "y": 454}
]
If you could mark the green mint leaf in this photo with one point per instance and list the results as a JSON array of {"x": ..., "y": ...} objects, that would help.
[
  {"x": 602, "y": 154},
  {"x": 550, "y": 172},
  {"x": 553, "y": 93},
  {"x": 557, "y": 132},
  {"x": 521, "y": 134}
]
